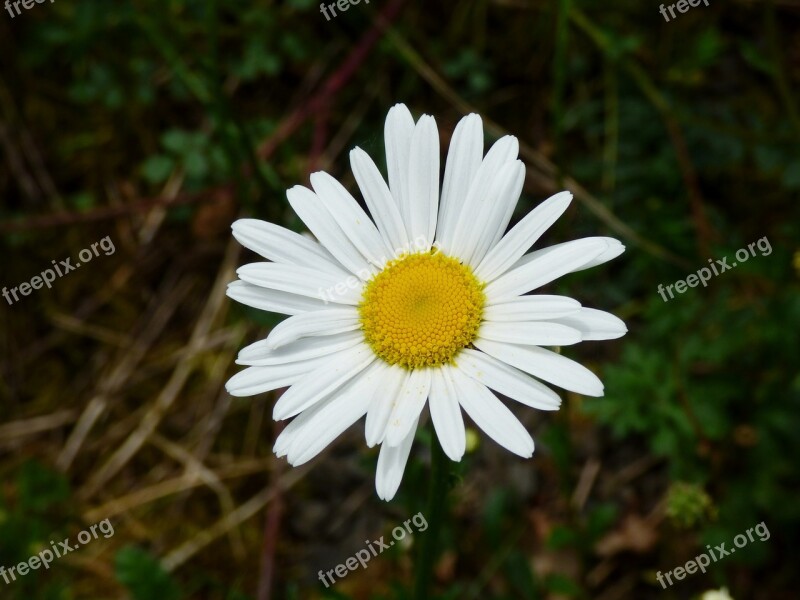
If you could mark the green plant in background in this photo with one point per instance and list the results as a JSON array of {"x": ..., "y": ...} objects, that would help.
[
  {"x": 143, "y": 576},
  {"x": 686, "y": 131},
  {"x": 688, "y": 505},
  {"x": 31, "y": 516}
]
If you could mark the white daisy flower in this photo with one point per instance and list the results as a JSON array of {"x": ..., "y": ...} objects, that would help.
[{"x": 428, "y": 301}]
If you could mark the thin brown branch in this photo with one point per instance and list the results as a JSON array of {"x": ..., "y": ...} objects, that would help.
[
  {"x": 334, "y": 83},
  {"x": 109, "y": 212},
  {"x": 271, "y": 528}
]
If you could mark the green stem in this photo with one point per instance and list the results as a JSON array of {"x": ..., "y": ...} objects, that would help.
[{"x": 437, "y": 495}]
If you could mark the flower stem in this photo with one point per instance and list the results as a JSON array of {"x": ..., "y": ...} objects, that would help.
[{"x": 437, "y": 496}]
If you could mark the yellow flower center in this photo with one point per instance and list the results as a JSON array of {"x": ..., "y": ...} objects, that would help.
[{"x": 421, "y": 310}]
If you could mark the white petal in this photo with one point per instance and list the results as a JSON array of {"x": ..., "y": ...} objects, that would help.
[
  {"x": 355, "y": 223},
  {"x": 446, "y": 414},
  {"x": 492, "y": 416},
  {"x": 463, "y": 160},
  {"x": 383, "y": 404},
  {"x": 505, "y": 217},
  {"x": 398, "y": 130},
  {"x": 409, "y": 405},
  {"x": 544, "y": 364},
  {"x": 544, "y": 269},
  {"x": 595, "y": 324},
  {"x": 334, "y": 417},
  {"x": 321, "y": 223},
  {"x": 613, "y": 249},
  {"x": 257, "y": 380},
  {"x": 308, "y": 391},
  {"x": 465, "y": 235},
  {"x": 272, "y": 300},
  {"x": 320, "y": 322},
  {"x": 522, "y": 236},
  {"x": 379, "y": 199},
  {"x": 280, "y": 245},
  {"x": 499, "y": 202},
  {"x": 303, "y": 281},
  {"x": 286, "y": 438},
  {"x": 507, "y": 380},
  {"x": 260, "y": 354},
  {"x": 391, "y": 465},
  {"x": 423, "y": 181},
  {"x": 541, "y": 307},
  {"x": 539, "y": 333}
]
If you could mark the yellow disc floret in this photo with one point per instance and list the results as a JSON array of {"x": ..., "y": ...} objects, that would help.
[{"x": 421, "y": 310}]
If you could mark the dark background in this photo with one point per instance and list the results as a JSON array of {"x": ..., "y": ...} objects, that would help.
[{"x": 157, "y": 123}]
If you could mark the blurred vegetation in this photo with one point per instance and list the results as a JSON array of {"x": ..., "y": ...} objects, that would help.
[{"x": 157, "y": 123}]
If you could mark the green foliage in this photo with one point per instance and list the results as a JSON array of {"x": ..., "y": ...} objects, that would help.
[
  {"x": 40, "y": 488},
  {"x": 143, "y": 576},
  {"x": 29, "y": 521},
  {"x": 688, "y": 504},
  {"x": 686, "y": 131},
  {"x": 471, "y": 69}
]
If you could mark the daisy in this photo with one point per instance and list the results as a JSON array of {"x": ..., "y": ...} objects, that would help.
[{"x": 426, "y": 302}]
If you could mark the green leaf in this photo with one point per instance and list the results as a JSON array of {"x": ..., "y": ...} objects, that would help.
[
  {"x": 177, "y": 141},
  {"x": 196, "y": 165},
  {"x": 753, "y": 56},
  {"x": 157, "y": 168},
  {"x": 791, "y": 176},
  {"x": 143, "y": 576},
  {"x": 41, "y": 488}
]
